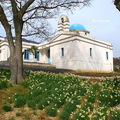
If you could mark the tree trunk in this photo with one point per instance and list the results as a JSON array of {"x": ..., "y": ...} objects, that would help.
[
  {"x": 19, "y": 56},
  {"x": 16, "y": 62},
  {"x": 16, "y": 66},
  {"x": 13, "y": 68}
]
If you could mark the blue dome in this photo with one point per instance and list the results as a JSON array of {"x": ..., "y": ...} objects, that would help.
[{"x": 77, "y": 27}]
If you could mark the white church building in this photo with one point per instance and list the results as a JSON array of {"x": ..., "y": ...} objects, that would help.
[{"x": 71, "y": 48}]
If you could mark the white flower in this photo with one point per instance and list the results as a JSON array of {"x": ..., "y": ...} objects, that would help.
[{"x": 82, "y": 116}]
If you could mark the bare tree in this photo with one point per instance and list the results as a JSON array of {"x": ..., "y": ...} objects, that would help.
[
  {"x": 27, "y": 18},
  {"x": 117, "y": 4}
]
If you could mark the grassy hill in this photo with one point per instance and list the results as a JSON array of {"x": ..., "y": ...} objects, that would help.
[{"x": 49, "y": 96}]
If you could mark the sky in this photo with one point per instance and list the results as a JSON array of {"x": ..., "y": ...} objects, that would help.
[{"x": 101, "y": 18}]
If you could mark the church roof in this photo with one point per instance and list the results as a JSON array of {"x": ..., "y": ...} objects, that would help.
[
  {"x": 77, "y": 27},
  {"x": 29, "y": 41},
  {"x": 23, "y": 39}
]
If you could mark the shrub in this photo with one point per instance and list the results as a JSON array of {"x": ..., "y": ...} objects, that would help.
[
  {"x": 115, "y": 114},
  {"x": 104, "y": 97},
  {"x": 18, "y": 114},
  {"x": 38, "y": 98},
  {"x": 5, "y": 84},
  {"x": 31, "y": 104},
  {"x": 25, "y": 83},
  {"x": 7, "y": 108},
  {"x": 42, "y": 104},
  {"x": 64, "y": 115},
  {"x": 69, "y": 107},
  {"x": 36, "y": 92},
  {"x": 115, "y": 83},
  {"x": 12, "y": 118},
  {"x": 5, "y": 73},
  {"x": 100, "y": 113},
  {"x": 81, "y": 116},
  {"x": 67, "y": 92},
  {"x": 51, "y": 111},
  {"x": 95, "y": 87},
  {"x": 34, "y": 113},
  {"x": 57, "y": 103},
  {"x": 117, "y": 69},
  {"x": 10, "y": 100},
  {"x": 88, "y": 107},
  {"x": 81, "y": 90},
  {"x": 77, "y": 116},
  {"x": 83, "y": 112},
  {"x": 20, "y": 101},
  {"x": 114, "y": 97},
  {"x": 91, "y": 97}
]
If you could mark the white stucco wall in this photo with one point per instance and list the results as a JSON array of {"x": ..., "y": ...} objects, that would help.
[
  {"x": 43, "y": 56},
  {"x": 4, "y": 53},
  {"x": 95, "y": 63},
  {"x": 76, "y": 52},
  {"x": 77, "y": 56},
  {"x": 69, "y": 59}
]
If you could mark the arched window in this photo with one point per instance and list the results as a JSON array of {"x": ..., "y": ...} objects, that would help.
[{"x": 62, "y": 19}]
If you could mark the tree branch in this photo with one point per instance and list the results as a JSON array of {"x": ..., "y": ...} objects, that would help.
[
  {"x": 25, "y": 7},
  {"x": 65, "y": 5},
  {"x": 35, "y": 33},
  {"x": 14, "y": 7},
  {"x": 30, "y": 16},
  {"x": 7, "y": 28}
]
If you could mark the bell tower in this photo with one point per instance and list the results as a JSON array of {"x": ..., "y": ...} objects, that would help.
[{"x": 63, "y": 23}]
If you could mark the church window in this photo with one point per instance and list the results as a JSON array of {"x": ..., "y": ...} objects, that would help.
[
  {"x": 90, "y": 52},
  {"x": 107, "y": 57},
  {"x": 62, "y": 19},
  {"x": 62, "y": 52},
  {"x": 26, "y": 55},
  {"x": 37, "y": 55}
]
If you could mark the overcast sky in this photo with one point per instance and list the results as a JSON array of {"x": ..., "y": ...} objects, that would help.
[{"x": 102, "y": 19}]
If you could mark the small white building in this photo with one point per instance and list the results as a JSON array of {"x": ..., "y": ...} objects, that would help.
[{"x": 71, "y": 48}]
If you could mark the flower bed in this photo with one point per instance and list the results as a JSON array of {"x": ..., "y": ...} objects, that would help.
[{"x": 67, "y": 96}]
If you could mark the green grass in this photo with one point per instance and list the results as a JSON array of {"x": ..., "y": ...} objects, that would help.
[
  {"x": 7, "y": 108},
  {"x": 4, "y": 78},
  {"x": 4, "y": 74},
  {"x": 12, "y": 118},
  {"x": 18, "y": 114},
  {"x": 51, "y": 111},
  {"x": 72, "y": 97},
  {"x": 8, "y": 90}
]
